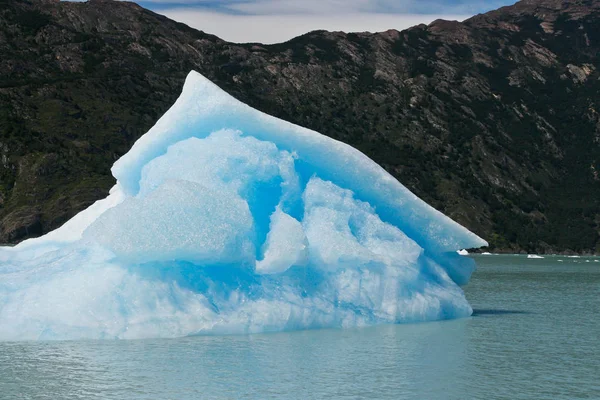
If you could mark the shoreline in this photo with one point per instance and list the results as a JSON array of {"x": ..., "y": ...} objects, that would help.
[{"x": 505, "y": 252}]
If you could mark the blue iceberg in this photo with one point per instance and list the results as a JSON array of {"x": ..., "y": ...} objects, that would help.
[{"x": 225, "y": 220}]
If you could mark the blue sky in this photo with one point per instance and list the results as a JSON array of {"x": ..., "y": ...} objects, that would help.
[{"x": 273, "y": 21}]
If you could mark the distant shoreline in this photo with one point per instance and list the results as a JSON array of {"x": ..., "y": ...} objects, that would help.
[{"x": 565, "y": 253}]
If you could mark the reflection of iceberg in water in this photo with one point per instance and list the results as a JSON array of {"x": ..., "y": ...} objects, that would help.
[{"x": 227, "y": 220}]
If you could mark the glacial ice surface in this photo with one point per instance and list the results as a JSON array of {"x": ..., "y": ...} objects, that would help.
[{"x": 226, "y": 220}]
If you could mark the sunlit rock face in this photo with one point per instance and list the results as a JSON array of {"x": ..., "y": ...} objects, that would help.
[{"x": 226, "y": 220}]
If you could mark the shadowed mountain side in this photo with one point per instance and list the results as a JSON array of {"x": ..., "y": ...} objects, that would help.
[{"x": 492, "y": 121}]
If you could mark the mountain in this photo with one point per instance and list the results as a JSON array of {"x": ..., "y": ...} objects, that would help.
[{"x": 494, "y": 121}]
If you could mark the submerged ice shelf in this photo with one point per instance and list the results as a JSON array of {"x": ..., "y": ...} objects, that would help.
[{"x": 228, "y": 220}]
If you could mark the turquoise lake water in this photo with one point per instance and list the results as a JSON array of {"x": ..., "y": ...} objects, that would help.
[{"x": 535, "y": 334}]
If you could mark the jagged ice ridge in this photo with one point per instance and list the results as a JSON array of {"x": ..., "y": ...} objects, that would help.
[{"x": 227, "y": 220}]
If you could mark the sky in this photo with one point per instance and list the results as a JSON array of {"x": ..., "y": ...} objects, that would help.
[{"x": 275, "y": 21}]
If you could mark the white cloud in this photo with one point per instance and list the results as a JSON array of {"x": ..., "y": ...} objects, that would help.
[
  {"x": 286, "y": 7},
  {"x": 277, "y": 28}
]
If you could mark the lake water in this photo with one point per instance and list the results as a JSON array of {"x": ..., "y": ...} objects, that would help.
[{"x": 535, "y": 334}]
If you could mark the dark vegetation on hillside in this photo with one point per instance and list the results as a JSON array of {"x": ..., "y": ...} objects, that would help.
[{"x": 494, "y": 121}]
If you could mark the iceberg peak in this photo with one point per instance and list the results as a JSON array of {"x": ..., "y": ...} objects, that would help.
[{"x": 204, "y": 108}]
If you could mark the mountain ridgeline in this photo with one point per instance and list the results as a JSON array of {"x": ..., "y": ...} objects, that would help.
[{"x": 494, "y": 121}]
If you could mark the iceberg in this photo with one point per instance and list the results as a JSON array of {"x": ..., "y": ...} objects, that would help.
[{"x": 225, "y": 220}]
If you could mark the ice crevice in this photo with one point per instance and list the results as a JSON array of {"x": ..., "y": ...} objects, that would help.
[{"x": 227, "y": 220}]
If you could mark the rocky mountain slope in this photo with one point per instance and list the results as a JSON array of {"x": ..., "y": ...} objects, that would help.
[{"x": 494, "y": 121}]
